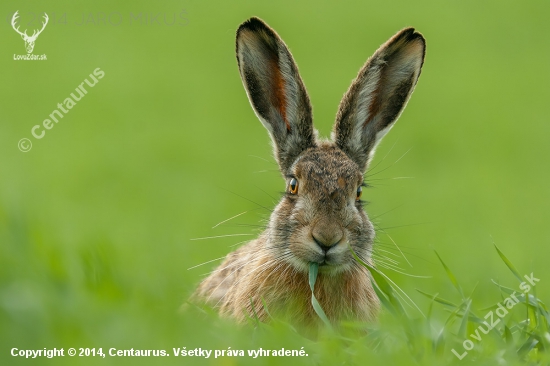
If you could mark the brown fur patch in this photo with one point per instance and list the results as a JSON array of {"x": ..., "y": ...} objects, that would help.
[
  {"x": 279, "y": 91},
  {"x": 284, "y": 291}
]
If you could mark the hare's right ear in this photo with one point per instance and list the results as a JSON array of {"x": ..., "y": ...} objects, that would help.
[
  {"x": 378, "y": 95},
  {"x": 275, "y": 90}
]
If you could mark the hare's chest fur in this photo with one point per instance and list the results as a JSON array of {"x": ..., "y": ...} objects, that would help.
[{"x": 249, "y": 284}]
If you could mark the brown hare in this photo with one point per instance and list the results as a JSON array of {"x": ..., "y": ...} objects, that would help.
[{"x": 321, "y": 215}]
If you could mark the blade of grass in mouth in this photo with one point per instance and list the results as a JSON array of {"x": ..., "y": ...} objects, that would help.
[{"x": 313, "y": 270}]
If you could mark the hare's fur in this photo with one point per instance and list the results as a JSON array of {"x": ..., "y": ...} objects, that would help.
[{"x": 323, "y": 218}]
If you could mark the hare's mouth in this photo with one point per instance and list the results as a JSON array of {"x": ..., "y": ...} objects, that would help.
[
  {"x": 325, "y": 262},
  {"x": 329, "y": 264},
  {"x": 332, "y": 268},
  {"x": 303, "y": 249}
]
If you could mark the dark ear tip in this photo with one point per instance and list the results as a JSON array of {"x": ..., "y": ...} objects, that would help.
[
  {"x": 410, "y": 35},
  {"x": 253, "y": 24}
]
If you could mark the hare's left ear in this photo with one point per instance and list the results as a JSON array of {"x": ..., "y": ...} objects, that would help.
[{"x": 378, "y": 95}]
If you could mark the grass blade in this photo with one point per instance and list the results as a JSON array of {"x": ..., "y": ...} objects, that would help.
[
  {"x": 438, "y": 299},
  {"x": 451, "y": 275},
  {"x": 508, "y": 337},
  {"x": 463, "y": 324},
  {"x": 385, "y": 284},
  {"x": 509, "y": 264},
  {"x": 527, "y": 346},
  {"x": 313, "y": 270}
]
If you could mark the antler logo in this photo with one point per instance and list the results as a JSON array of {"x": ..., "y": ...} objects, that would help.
[{"x": 29, "y": 40}]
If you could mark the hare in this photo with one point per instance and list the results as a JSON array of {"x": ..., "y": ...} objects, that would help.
[{"x": 321, "y": 214}]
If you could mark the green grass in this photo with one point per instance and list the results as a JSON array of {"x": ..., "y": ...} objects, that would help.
[
  {"x": 515, "y": 330},
  {"x": 96, "y": 221}
]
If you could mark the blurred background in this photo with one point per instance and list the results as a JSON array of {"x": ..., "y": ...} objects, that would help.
[{"x": 97, "y": 220}]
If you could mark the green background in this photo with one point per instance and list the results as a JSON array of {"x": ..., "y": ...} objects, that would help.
[{"x": 97, "y": 220}]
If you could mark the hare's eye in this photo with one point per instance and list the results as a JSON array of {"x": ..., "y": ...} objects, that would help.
[
  {"x": 293, "y": 186},
  {"x": 359, "y": 193}
]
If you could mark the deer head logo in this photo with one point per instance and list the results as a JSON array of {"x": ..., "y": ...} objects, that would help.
[{"x": 29, "y": 40}]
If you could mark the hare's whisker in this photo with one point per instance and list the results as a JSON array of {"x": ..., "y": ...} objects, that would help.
[
  {"x": 202, "y": 264},
  {"x": 244, "y": 225},
  {"x": 264, "y": 159},
  {"x": 267, "y": 171},
  {"x": 385, "y": 179},
  {"x": 402, "y": 156},
  {"x": 389, "y": 246},
  {"x": 231, "y": 218},
  {"x": 410, "y": 254},
  {"x": 378, "y": 258},
  {"x": 400, "y": 226},
  {"x": 270, "y": 196},
  {"x": 385, "y": 251},
  {"x": 389, "y": 151},
  {"x": 292, "y": 269},
  {"x": 236, "y": 263},
  {"x": 410, "y": 301},
  {"x": 384, "y": 254},
  {"x": 220, "y": 236},
  {"x": 382, "y": 214},
  {"x": 229, "y": 266},
  {"x": 397, "y": 246},
  {"x": 249, "y": 200},
  {"x": 406, "y": 274},
  {"x": 241, "y": 242},
  {"x": 371, "y": 175},
  {"x": 381, "y": 263},
  {"x": 274, "y": 271}
]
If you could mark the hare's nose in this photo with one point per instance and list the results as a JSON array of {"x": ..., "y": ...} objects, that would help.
[{"x": 326, "y": 236}]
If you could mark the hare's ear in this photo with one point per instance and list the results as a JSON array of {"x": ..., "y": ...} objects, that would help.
[
  {"x": 378, "y": 95},
  {"x": 275, "y": 90}
]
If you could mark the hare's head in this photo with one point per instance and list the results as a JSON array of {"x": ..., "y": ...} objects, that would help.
[{"x": 321, "y": 213}]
